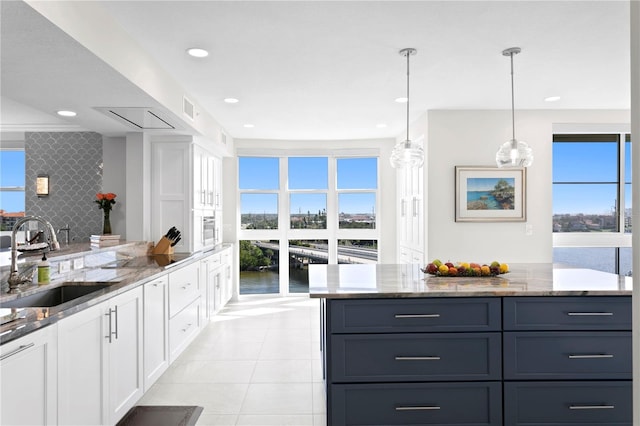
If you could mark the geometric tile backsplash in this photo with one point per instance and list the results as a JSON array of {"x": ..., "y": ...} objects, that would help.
[{"x": 73, "y": 161}]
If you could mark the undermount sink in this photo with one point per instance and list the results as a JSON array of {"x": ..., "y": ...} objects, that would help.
[{"x": 53, "y": 296}]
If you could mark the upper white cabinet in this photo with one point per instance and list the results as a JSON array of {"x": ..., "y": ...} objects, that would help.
[
  {"x": 29, "y": 379},
  {"x": 185, "y": 192},
  {"x": 100, "y": 361},
  {"x": 410, "y": 213}
]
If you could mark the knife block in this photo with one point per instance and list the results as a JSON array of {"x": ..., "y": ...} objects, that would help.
[{"x": 163, "y": 247}]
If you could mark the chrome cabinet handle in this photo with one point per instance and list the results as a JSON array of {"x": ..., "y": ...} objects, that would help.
[
  {"x": 417, "y": 315},
  {"x": 186, "y": 328},
  {"x": 591, "y": 407},
  {"x": 17, "y": 350},
  {"x": 590, "y": 314},
  {"x": 403, "y": 208},
  {"x": 184, "y": 287},
  {"x": 116, "y": 312},
  {"x": 417, "y": 358},
  {"x": 590, "y": 356},
  {"x": 108, "y": 336},
  {"x": 418, "y": 408}
]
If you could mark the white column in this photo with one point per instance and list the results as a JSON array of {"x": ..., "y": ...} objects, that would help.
[
  {"x": 635, "y": 182},
  {"x": 138, "y": 172}
]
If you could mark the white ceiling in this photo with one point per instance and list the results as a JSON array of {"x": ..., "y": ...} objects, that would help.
[{"x": 323, "y": 69}]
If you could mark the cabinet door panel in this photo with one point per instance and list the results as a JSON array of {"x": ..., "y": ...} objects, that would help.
[
  {"x": 29, "y": 379},
  {"x": 81, "y": 366},
  {"x": 125, "y": 354},
  {"x": 156, "y": 332}
]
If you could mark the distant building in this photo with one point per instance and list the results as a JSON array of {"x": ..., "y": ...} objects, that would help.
[{"x": 8, "y": 219}]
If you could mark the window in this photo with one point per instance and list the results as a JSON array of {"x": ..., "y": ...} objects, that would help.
[
  {"x": 12, "y": 187},
  {"x": 592, "y": 200},
  {"x": 310, "y": 209}
]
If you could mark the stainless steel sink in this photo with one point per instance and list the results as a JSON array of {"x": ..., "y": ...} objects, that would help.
[{"x": 53, "y": 296}]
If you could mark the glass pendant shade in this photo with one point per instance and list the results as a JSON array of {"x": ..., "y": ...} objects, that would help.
[
  {"x": 514, "y": 153},
  {"x": 407, "y": 154}
]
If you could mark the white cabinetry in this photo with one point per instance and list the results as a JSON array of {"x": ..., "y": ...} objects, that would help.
[
  {"x": 29, "y": 379},
  {"x": 156, "y": 330},
  {"x": 217, "y": 282},
  {"x": 185, "y": 187},
  {"x": 100, "y": 361},
  {"x": 411, "y": 215},
  {"x": 184, "y": 308}
]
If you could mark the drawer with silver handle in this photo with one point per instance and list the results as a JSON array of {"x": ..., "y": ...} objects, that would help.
[
  {"x": 600, "y": 403},
  {"x": 575, "y": 355}
]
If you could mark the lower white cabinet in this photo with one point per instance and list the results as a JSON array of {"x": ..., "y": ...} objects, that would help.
[
  {"x": 156, "y": 330},
  {"x": 100, "y": 361},
  {"x": 216, "y": 287},
  {"x": 29, "y": 379},
  {"x": 184, "y": 308}
]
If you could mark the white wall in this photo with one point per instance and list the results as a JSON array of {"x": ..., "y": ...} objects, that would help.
[
  {"x": 471, "y": 138},
  {"x": 114, "y": 179}
]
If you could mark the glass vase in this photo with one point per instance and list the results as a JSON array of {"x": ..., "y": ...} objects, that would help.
[{"x": 106, "y": 223}]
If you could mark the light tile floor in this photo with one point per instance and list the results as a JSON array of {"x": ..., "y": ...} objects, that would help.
[{"x": 257, "y": 363}]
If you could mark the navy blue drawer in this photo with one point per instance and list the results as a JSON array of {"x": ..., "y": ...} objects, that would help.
[
  {"x": 567, "y": 313},
  {"x": 567, "y": 355},
  {"x": 475, "y": 404},
  {"x": 414, "y": 315},
  {"x": 407, "y": 357},
  {"x": 568, "y": 403}
]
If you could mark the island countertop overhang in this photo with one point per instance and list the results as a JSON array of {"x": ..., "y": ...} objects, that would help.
[{"x": 407, "y": 281}]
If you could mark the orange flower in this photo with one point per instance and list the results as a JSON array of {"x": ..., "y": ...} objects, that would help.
[{"x": 105, "y": 201}]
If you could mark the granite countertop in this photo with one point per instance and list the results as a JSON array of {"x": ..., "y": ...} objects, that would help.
[
  {"x": 398, "y": 281},
  {"x": 120, "y": 274}
]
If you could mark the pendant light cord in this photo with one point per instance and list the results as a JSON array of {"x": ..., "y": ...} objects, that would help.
[
  {"x": 513, "y": 108},
  {"x": 408, "y": 54}
]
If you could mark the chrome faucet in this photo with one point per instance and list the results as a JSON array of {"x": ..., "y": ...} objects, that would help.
[
  {"x": 15, "y": 279},
  {"x": 67, "y": 231}
]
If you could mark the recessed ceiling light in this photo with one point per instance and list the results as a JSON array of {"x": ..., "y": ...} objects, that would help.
[
  {"x": 381, "y": 125},
  {"x": 401, "y": 100},
  {"x": 231, "y": 100},
  {"x": 197, "y": 52},
  {"x": 248, "y": 126},
  {"x": 66, "y": 113},
  {"x": 552, "y": 98}
]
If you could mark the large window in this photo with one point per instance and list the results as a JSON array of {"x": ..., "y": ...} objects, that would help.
[
  {"x": 12, "y": 187},
  {"x": 592, "y": 201},
  {"x": 300, "y": 210}
]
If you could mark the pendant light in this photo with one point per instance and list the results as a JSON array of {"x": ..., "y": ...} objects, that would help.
[
  {"x": 407, "y": 153},
  {"x": 513, "y": 153}
]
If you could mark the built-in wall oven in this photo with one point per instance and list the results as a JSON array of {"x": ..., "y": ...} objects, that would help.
[{"x": 209, "y": 231}]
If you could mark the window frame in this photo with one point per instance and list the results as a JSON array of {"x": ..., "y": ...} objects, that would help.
[
  {"x": 618, "y": 239},
  {"x": 332, "y": 233}
]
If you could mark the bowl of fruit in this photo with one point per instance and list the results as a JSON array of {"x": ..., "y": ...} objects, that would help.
[{"x": 465, "y": 269}]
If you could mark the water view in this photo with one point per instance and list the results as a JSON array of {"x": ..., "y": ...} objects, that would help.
[{"x": 267, "y": 281}]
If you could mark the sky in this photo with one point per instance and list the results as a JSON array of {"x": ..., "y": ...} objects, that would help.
[
  {"x": 584, "y": 176},
  {"x": 308, "y": 173},
  {"x": 12, "y": 174},
  {"x": 486, "y": 184}
]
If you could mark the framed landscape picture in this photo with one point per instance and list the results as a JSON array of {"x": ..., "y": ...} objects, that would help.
[{"x": 490, "y": 194}]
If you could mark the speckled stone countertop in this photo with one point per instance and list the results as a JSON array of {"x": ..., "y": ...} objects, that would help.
[
  {"x": 121, "y": 267},
  {"x": 398, "y": 281}
]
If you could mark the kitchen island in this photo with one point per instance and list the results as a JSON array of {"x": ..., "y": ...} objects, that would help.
[{"x": 538, "y": 345}]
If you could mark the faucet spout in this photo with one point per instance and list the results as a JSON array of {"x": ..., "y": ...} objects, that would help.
[{"x": 15, "y": 279}]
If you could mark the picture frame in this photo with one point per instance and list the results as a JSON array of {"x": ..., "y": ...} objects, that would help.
[{"x": 490, "y": 194}]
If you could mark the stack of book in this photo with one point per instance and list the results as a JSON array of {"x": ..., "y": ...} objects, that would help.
[{"x": 105, "y": 240}]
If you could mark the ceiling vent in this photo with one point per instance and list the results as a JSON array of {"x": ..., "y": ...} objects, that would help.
[
  {"x": 188, "y": 108},
  {"x": 140, "y": 118}
]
